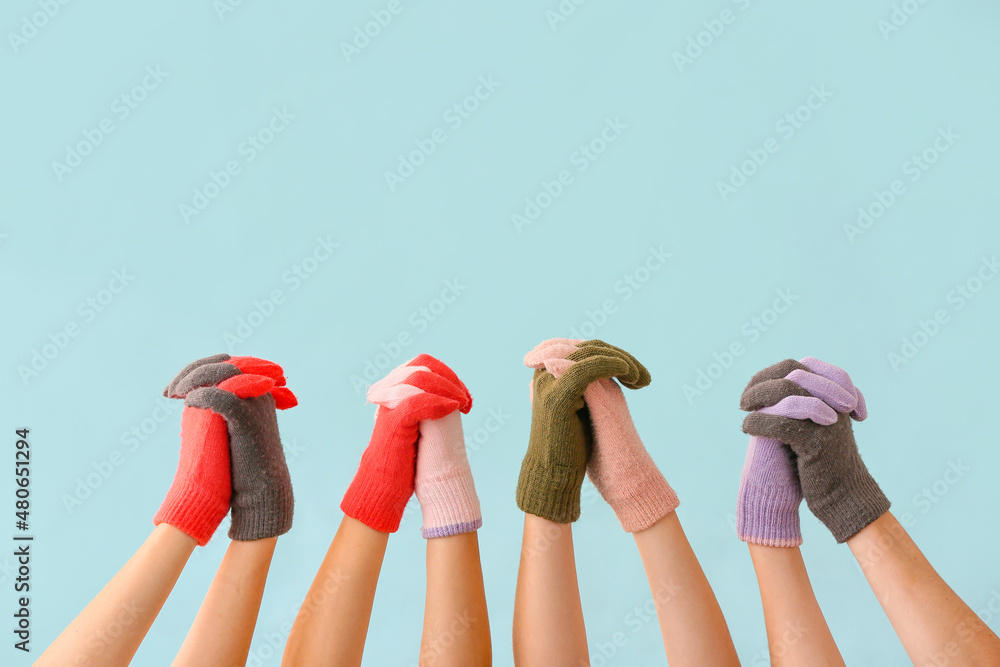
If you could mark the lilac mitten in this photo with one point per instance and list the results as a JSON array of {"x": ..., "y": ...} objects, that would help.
[{"x": 767, "y": 508}]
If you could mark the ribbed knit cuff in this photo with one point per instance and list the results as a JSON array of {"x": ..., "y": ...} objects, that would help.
[
  {"x": 555, "y": 497},
  {"x": 859, "y": 501},
  {"x": 192, "y": 511},
  {"x": 768, "y": 515},
  {"x": 643, "y": 502},
  {"x": 263, "y": 518},
  {"x": 449, "y": 504},
  {"x": 373, "y": 504}
]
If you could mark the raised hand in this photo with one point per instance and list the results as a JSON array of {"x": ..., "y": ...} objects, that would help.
[
  {"x": 421, "y": 389},
  {"x": 230, "y": 450},
  {"x": 561, "y": 438},
  {"x": 619, "y": 466},
  {"x": 808, "y": 405}
]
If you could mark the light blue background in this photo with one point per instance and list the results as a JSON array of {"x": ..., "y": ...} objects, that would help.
[{"x": 656, "y": 185}]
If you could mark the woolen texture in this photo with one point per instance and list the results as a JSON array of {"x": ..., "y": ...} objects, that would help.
[
  {"x": 198, "y": 498},
  {"x": 767, "y": 507},
  {"x": 620, "y": 467},
  {"x": 561, "y": 437},
  {"x": 443, "y": 482},
  {"x": 421, "y": 389},
  {"x": 230, "y": 405},
  {"x": 837, "y": 486},
  {"x": 262, "y": 500}
]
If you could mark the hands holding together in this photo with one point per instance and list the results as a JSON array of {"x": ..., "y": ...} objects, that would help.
[
  {"x": 419, "y": 400},
  {"x": 580, "y": 424},
  {"x": 802, "y": 445},
  {"x": 231, "y": 454}
]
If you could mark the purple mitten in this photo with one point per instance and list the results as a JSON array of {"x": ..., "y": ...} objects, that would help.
[{"x": 767, "y": 509}]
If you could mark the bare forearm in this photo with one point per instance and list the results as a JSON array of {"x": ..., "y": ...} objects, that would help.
[
  {"x": 797, "y": 633},
  {"x": 691, "y": 621},
  {"x": 332, "y": 624},
  {"x": 548, "y": 615},
  {"x": 109, "y": 630},
  {"x": 931, "y": 621},
  {"x": 456, "y": 624},
  {"x": 224, "y": 626}
]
